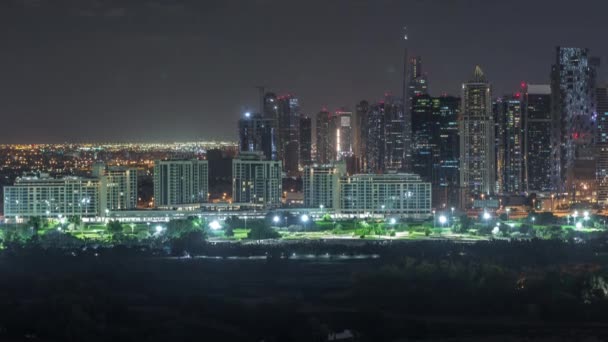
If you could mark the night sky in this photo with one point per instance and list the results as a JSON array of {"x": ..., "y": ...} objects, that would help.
[{"x": 103, "y": 70}]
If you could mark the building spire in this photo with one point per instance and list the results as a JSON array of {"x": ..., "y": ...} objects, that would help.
[{"x": 478, "y": 75}]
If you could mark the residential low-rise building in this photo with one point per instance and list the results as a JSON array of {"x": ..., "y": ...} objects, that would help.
[{"x": 43, "y": 196}]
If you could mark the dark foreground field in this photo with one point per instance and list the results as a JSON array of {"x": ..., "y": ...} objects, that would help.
[{"x": 433, "y": 291}]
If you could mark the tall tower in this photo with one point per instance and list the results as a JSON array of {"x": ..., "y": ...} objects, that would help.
[
  {"x": 537, "y": 138},
  {"x": 258, "y": 134},
  {"x": 575, "y": 120},
  {"x": 477, "y": 160},
  {"x": 602, "y": 142},
  {"x": 407, "y": 104},
  {"x": 324, "y": 152}
]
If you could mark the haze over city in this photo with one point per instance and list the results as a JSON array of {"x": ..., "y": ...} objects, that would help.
[{"x": 103, "y": 70}]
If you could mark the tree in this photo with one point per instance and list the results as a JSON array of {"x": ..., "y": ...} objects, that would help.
[
  {"x": 75, "y": 220},
  {"x": 177, "y": 228},
  {"x": 525, "y": 228},
  {"x": 261, "y": 232},
  {"x": 229, "y": 232},
  {"x": 114, "y": 227},
  {"x": 36, "y": 222}
]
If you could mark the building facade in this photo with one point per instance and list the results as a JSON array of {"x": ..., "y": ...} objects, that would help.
[
  {"x": 179, "y": 182},
  {"x": 305, "y": 141},
  {"x": 118, "y": 186},
  {"x": 397, "y": 194},
  {"x": 258, "y": 134},
  {"x": 602, "y": 144},
  {"x": 43, "y": 196},
  {"x": 323, "y": 148},
  {"x": 574, "y": 118},
  {"x": 508, "y": 118},
  {"x": 256, "y": 181},
  {"x": 476, "y": 127},
  {"x": 288, "y": 112},
  {"x": 537, "y": 138},
  {"x": 321, "y": 185},
  {"x": 341, "y": 135}
]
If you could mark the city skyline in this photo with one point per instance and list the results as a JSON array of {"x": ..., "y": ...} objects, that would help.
[{"x": 159, "y": 71}]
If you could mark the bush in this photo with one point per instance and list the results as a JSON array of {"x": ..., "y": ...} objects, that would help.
[{"x": 262, "y": 232}]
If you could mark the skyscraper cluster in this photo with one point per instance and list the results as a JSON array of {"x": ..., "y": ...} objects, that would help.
[{"x": 543, "y": 138}]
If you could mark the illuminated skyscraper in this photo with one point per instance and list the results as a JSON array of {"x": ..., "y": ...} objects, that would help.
[
  {"x": 537, "y": 138},
  {"x": 477, "y": 159},
  {"x": 257, "y": 133},
  {"x": 424, "y": 136},
  {"x": 395, "y": 131},
  {"x": 341, "y": 134},
  {"x": 375, "y": 147},
  {"x": 509, "y": 144},
  {"x": 446, "y": 110},
  {"x": 602, "y": 142},
  {"x": 574, "y": 117},
  {"x": 288, "y": 111},
  {"x": 416, "y": 85},
  {"x": 323, "y": 149},
  {"x": 305, "y": 141},
  {"x": 359, "y": 128}
]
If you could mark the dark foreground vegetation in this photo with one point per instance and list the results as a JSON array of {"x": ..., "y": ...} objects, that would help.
[{"x": 429, "y": 290}]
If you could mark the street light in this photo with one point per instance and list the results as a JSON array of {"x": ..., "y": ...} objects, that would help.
[
  {"x": 443, "y": 220},
  {"x": 305, "y": 219},
  {"x": 276, "y": 219},
  {"x": 486, "y": 215},
  {"x": 392, "y": 221},
  {"x": 215, "y": 225},
  {"x": 579, "y": 225},
  {"x": 508, "y": 210}
]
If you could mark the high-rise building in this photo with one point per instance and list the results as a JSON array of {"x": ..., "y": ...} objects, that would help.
[
  {"x": 341, "y": 134},
  {"x": 305, "y": 141},
  {"x": 43, "y": 196},
  {"x": 384, "y": 133},
  {"x": 321, "y": 185},
  {"x": 256, "y": 181},
  {"x": 258, "y": 134},
  {"x": 417, "y": 84},
  {"x": 359, "y": 133},
  {"x": 602, "y": 142},
  {"x": 424, "y": 137},
  {"x": 435, "y": 145},
  {"x": 375, "y": 147},
  {"x": 395, "y": 135},
  {"x": 537, "y": 138},
  {"x": 446, "y": 157},
  {"x": 271, "y": 107},
  {"x": 118, "y": 186},
  {"x": 508, "y": 118},
  {"x": 179, "y": 182},
  {"x": 288, "y": 111},
  {"x": 574, "y": 117},
  {"x": 323, "y": 148},
  {"x": 477, "y": 159}
]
